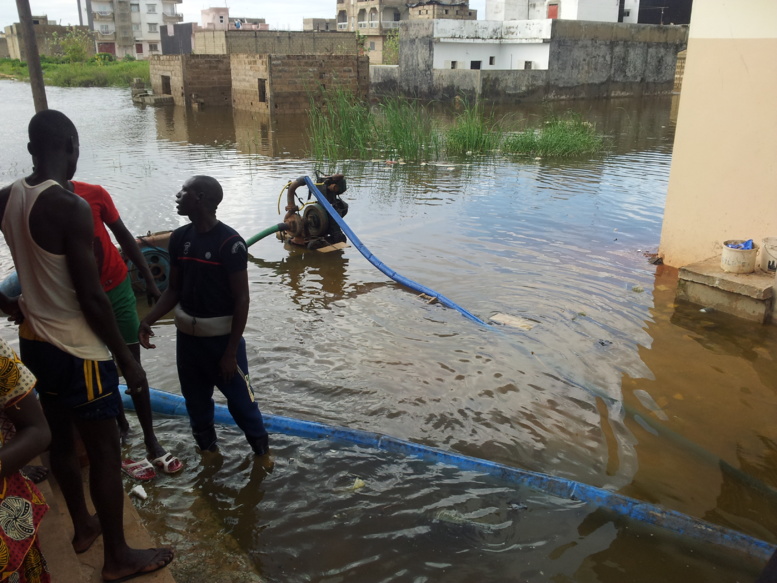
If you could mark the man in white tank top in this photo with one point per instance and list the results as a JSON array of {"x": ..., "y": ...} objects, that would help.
[{"x": 66, "y": 340}]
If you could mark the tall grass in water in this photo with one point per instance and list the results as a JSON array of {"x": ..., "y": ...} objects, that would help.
[
  {"x": 559, "y": 136},
  {"x": 341, "y": 125},
  {"x": 406, "y": 131},
  {"x": 473, "y": 131}
]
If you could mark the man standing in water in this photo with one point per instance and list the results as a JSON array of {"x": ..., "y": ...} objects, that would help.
[
  {"x": 68, "y": 321},
  {"x": 209, "y": 277}
]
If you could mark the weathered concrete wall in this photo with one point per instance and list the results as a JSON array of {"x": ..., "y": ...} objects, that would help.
[
  {"x": 45, "y": 38},
  {"x": 206, "y": 76},
  {"x": 287, "y": 81},
  {"x": 209, "y": 77},
  {"x": 416, "y": 56},
  {"x": 513, "y": 86},
  {"x": 270, "y": 42},
  {"x": 4, "y": 54},
  {"x": 251, "y": 82},
  {"x": 384, "y": 80},
  {"x": 590, "y": 59},
  {"x": 167, "y": 66}
]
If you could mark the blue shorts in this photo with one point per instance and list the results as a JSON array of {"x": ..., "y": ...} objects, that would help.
[{"x": 89, "y": 389}]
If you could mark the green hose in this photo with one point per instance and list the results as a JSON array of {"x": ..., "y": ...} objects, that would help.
[{"x": 268, "y": 231}]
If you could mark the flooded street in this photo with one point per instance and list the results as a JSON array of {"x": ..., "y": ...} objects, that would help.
[{"x": 609, "y": 382}]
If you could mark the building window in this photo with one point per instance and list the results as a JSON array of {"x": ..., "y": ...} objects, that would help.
[
  {"x": 221, "y": 20},
  {"x": 453, "y": 64},
  {"x": 152, "y": 27},
  {"x": 139, "y": 48},
  {"x": 492, "y": 61},
  {"x": 153, "y": 47},
  {"x": 151, "y": 8},
  {"x": 446, "y": 12},
  {"x": 166, "y": 90},
  {"x": 134, "y": 7},
  {"x": 474, "y": 65},
  {"x": 262, "y": 90},
  {"x": 372, "y": 46},
  {"x": 527, "y": 65},
  {"x": 626, "y": 13},
  {"x": 104, "y": 29},
  {"x": 135, "y": 27}
]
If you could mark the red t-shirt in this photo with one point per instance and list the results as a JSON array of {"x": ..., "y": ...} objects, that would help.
[{"x": 112, "y": 268}]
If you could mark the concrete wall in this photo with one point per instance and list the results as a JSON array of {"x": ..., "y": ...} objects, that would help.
[
  {"x": 583, "y": 59},
  {"x": 288, "y": 81},
  {"x": 207, "y": 76},
  {"x": 384, "y": 79},
  {"x": 270, "y": 42},
  {"x": 167, "y": 66},
  {"x": 4, "y": 54},
  {"x": 591, "y": 60},
  {"x": 44, "y": 36},
  {"x": 723, "y": 181}
]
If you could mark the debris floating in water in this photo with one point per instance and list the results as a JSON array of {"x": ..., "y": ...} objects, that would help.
[
  {"x": 139, "y": 491},
  {"x": 514, "y": 321},
  {"x": 358, "y": 483}
]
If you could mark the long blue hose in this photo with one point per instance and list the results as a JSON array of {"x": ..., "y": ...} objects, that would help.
[
  {"x": 676, "y": 522},
  {"x": 379, "y": 264}
]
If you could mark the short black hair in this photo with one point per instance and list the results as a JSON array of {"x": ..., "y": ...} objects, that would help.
[
  {"x": 210, "y": 189},
  {"x": 50, "y": 130}
]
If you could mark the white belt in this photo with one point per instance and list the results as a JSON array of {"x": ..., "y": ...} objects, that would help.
[{"x": 194, "y": 326}]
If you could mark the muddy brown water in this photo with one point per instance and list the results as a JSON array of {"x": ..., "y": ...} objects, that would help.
[{"x": 610, "y": 356}]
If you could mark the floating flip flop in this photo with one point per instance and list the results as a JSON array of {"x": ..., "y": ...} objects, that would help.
[
  {"x": 168, "y": 464},
  {"x": 140, "y": 470}
]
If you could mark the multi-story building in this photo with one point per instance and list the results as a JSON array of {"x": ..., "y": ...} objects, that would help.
[
  {"x": 372, "y": 19},
  {"x": 128, "y": 27}
]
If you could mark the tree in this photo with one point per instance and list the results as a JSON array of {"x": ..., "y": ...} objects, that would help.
[
  {"x": 391, "y": 48},
  {"x": 76, "y": 45}
]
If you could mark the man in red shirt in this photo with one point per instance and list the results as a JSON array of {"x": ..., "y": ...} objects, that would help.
[{"x": 116, "y": 283}]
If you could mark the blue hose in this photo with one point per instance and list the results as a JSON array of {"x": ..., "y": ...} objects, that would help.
[
  {"x": 676, "y": 522},
  {"x": 379, "y": 264}
]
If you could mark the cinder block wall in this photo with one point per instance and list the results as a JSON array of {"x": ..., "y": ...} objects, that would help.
[
  {"x": 210, "y": 77},
  {"x": 167, "y": 66},
  {"x": 289, "y": 80},
  {"x": 270, "y": 42},
  {"x": 248, "y": 73}
]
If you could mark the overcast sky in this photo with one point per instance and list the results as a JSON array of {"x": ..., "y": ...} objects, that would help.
[{"x": 286, "y": 15}]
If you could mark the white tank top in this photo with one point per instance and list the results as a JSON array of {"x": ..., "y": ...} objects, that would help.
[{"x": 48, "y": 299}]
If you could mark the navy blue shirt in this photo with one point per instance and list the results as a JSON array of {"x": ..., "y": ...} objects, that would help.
[{"x": 205, "y": 261}]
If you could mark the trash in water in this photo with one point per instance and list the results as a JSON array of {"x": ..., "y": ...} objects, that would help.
[
  {"x": 514, "y": 321},
  {"x": 358, "y": 483},
  {"x": 744, "y": 245},
  {"x": 139, "y": 492}
]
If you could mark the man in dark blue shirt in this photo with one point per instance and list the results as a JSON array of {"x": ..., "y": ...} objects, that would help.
[{"x": 208, "y": 287}]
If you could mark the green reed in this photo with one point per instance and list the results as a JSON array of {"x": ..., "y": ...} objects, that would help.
[
  {"x": 473, "y": 131},
  {"x": 559, "y": 136},
  {"x": 406, "y": 131},
  {"x": 341, "y": 126}
]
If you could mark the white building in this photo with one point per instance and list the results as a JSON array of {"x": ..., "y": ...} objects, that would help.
[
  {"x": 128, "y": 27},
  {"x": 491, "y": 44},
  {"x": 595, "y": 10}
]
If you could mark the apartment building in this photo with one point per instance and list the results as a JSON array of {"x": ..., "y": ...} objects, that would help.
[{"x": 129, "y": 27}]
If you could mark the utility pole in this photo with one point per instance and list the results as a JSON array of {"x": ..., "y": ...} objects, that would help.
[{"x": 33, "y": 57}]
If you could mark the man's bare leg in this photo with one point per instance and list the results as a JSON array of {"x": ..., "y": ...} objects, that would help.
[
  {"x": 142, "y": 404},
  {"x": 67, "y": 470},
  {"x": 101, "y": 439}
]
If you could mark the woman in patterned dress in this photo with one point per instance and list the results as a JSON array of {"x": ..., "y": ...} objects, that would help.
[{"x": 24, "y": 434}]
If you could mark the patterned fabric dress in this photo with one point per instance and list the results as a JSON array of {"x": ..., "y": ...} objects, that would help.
[{"x": 21, "y": 504}]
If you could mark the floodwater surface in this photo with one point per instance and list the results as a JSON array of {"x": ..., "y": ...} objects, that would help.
[{"x": 609, "y": 381}]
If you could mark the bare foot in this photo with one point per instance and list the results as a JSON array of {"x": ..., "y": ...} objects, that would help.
[
  {"x": 36, "y": 473},
  {"x": 137, "y": 562},
  {"x": 86, "y": 535}
]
